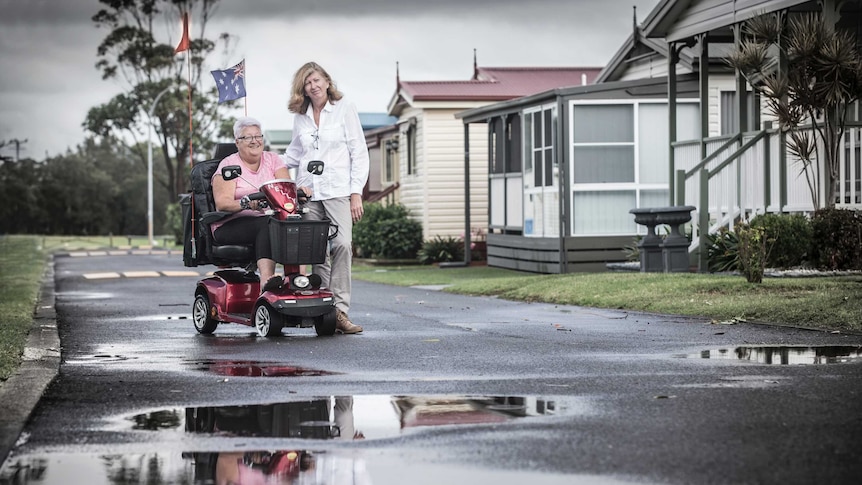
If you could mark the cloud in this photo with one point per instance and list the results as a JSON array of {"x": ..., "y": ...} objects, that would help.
[{"x": 48, "y": 81}]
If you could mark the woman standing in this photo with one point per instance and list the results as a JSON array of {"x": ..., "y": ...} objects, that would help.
[{"x": 327, "y": 127}]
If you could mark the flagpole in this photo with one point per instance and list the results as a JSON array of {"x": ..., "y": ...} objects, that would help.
[
  {"x": 189, "y": 58},
  {"x": 185, "y": 45}
]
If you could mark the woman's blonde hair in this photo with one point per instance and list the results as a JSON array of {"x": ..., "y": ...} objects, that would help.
[{"x": 299, "y": 102}]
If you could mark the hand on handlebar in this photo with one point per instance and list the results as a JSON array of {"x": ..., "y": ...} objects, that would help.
[
  {"x": 254, "y": 204},
  {"x": 303, "y": 194}
]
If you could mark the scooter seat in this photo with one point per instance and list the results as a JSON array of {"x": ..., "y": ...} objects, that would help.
[{"x": 238, "y": 253}]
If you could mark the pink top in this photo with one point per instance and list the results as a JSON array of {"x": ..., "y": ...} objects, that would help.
[{"x": 249, "y": 182}]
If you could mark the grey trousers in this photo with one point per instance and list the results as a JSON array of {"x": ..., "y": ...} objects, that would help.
[{"x": 336, "y": 271}]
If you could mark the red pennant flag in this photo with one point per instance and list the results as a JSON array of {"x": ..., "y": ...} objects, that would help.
[{"x": 184, "y": 41}]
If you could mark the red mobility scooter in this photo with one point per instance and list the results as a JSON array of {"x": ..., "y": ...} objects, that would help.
[{"x": 232, "y": 293}]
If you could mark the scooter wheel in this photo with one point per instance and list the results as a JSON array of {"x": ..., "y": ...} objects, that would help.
[
  {"x": 201, "y": 310},
  {"x": 325, "y": 324},
  {"x": 267, "y": 321}
]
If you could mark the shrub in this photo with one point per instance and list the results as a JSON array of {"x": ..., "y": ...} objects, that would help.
[
  {"x": 442, "y": 249},
  {"x": 792, "y": 236},
  {"x": 837, "y": 239},
  {"x": 388, "y": 232},
  {"x": 723, "y": 251},
  {"x": 754, "y": 248}
]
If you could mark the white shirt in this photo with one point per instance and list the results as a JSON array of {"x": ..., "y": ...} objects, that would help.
[{"x": 338, "y": 142}]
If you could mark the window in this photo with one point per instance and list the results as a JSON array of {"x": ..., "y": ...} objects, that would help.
[
  {"x": 504, "y": 167},
  {"x": 729, "y": 112},
  {"x": 541, "y": 175},
  {"x": 390, "y": 160},
  {"x": 504, "y": 144},
  {"x": 619, "y": 160},
  {"x": 513, "y": 138},
  {"x": 410, "y": 141}
]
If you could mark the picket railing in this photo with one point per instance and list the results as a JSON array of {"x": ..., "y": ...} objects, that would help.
[{"x": 743, "y": 175}]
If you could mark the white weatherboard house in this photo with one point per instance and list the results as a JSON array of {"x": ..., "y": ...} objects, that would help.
[
  {"x": 422, "y": 156},
  {"x": 662, "y": 127}
]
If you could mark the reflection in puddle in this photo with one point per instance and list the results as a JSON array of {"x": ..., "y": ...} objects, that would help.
[
  {"x": 285, "y": 466},
  {"x": 788, "y": 355},
  {"x": 98, "y": 358},
  {"x": 83, "y": 295},
  {"x": 318, "y": 420},
  {"x": 359, "y": 417},
  {"x": 259, "y": 369}
]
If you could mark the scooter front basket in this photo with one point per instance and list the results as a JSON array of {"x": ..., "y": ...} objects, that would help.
[{"x": 299, "y": 242}]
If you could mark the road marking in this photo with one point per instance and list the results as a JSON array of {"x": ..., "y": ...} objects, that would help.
[
  {"x": 141, "y": 274},
  {"x": 101, "y": 276},
  {"x": 180, "y": 273}
]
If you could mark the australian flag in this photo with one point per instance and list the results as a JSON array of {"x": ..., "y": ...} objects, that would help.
[{"x": 230, "y": 82}]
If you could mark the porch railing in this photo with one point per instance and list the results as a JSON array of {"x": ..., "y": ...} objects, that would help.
[
  {"x": 746, "y": 174},
  {"x": 387, "y": 193}
]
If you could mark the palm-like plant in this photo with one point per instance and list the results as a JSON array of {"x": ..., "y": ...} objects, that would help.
[{"x": 823, "y": 78}]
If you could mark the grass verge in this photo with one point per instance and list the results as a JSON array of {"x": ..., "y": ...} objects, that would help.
[
  {"x": 22, "y": 263},
  {"x": 828, "y": 303}
]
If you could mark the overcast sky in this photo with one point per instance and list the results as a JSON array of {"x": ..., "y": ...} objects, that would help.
[{"x": 48, "y": 81}]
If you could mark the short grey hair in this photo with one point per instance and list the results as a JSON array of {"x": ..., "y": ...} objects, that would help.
[{"x": 245, "y": 122}]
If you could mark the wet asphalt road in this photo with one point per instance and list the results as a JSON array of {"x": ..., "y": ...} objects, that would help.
[{"x": 444, "y": 388}]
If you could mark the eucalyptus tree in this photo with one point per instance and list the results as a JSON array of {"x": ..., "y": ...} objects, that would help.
[
  {"x": 145, "y": 65},
  {"x": 810, "y": 94}
]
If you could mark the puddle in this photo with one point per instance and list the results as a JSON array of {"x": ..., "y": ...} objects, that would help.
[
  {"x": 283, "y": 466},
  {"x": 98, "y": 359},
  {"x": 352, "y": 417},
  {"x": 120, "y": 355},
  {"x": 258, "y": 369},
  {"x": 82, "y": 295},
  {"x": 146, "y": 318},
  {"x": 786, "y": 355}
]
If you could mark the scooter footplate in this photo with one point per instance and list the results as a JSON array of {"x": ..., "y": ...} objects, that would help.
[{"x": 243, "y": 318}]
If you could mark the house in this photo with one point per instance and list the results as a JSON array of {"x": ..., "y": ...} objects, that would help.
[
  {"x": 567, "y": 164},
  {"x": 570, "y": 163},
  {"x": 378, "y": 180},
  {"x": 426, "y": 143},
  {"x": 277, "y": 140},
  {"x": 747, "y": 170}
]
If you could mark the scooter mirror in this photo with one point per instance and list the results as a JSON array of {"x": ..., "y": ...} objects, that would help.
[
  {"x": 315, "y": 167},
  {"x": 231, "y": 172}
]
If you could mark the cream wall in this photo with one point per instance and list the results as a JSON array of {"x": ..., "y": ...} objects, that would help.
[{"x": 434, "y": 194}]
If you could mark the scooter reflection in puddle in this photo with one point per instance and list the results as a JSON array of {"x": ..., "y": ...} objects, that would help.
[{"x": 302, "y": 419}]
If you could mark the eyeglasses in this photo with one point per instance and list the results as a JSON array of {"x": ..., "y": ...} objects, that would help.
[
  {"x": 249, "y": 139},
  {"x": 315, "y": 140}
]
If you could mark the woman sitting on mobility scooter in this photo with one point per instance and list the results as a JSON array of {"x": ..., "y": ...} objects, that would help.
[{"x": 248, "y": 224}]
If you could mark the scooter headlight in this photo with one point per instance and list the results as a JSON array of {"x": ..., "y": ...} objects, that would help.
[{"x": 300, "y": 281}]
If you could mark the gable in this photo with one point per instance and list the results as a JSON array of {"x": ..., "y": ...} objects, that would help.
[{"x": 676, "y": 20}]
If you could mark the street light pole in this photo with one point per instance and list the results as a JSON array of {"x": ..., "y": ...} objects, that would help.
[{"x": 150, "y": 166}]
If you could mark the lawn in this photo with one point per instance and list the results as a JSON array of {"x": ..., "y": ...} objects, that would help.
[{"x": 829, "y": 303}]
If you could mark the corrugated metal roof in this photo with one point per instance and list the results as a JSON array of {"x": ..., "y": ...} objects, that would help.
[
  {"x": 278, "y": 136},
  {"x": 500, "y": 83},
  {"x": 371, "y": 121}
]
